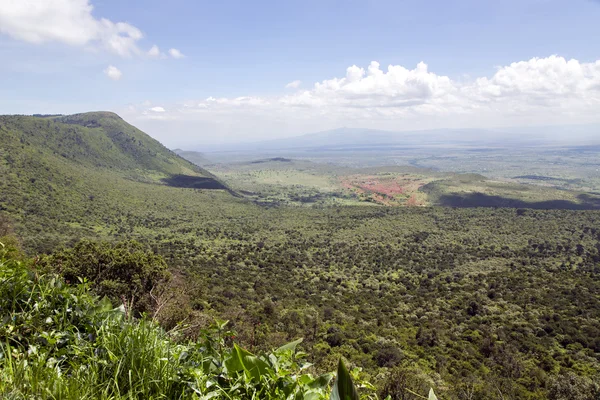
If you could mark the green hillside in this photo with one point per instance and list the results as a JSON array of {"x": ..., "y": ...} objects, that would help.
[
  {"x": 72, "y": 174},
  {"x": 490, "y": 303},
  {"x": 95, "y": 139}
]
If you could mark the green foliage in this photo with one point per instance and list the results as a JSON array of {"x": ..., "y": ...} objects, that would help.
[
  {"x": 78, "y": 169},
  {"x": 38, "y": 310},
  {"x": 344, "y": 388},
  {"x": 477, "y": 303},
  {"x": 124, "y": 271},
  {"x": 58, "y": 341},
  {"x": 6, "y": 228},
  {"x": 232, "y": 372},
  {"x": 572, "y": 387},
  {"x": 404, "y": 383},
  {"x": 95, "y": 139}
]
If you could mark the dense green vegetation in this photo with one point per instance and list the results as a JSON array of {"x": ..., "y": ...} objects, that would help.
[
  {"x": 69, "y": 176},
  {"x": 59, "y": 341},
  {"x": 479, "y": 303},
  {"x": 123, "y": 272},
  {"x": 99, "y": 140}
]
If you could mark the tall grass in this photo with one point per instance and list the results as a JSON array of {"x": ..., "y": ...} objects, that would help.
[
  {"x": 60, "y": 342},
  {"x": 132, "y": 361}
]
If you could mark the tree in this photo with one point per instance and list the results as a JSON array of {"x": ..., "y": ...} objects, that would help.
[{"x": 124, "y": 272}]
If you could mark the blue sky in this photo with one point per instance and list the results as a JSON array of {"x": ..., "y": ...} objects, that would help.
[{"x": 238, "y": 57}]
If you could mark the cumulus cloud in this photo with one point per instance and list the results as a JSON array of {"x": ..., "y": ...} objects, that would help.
[
  {"x": 158, "y": 109},
  {"x": 113, "y": 73},
  {"x": 154, "y": 52},
  {"x": 66, "y": 21},
  {"x": 70, "y": 22},
  {"x": 175, "y": 53},
  {"x": 374, "y": 88},
  {"x": 536, "y": 91},
  {"x": 293, "y": 85},
  {"x": 540, "y": 81}
]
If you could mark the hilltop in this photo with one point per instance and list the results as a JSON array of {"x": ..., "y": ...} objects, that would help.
[
  {"x": 94, "y": 139},
  {"x": 83, "y": 168}
]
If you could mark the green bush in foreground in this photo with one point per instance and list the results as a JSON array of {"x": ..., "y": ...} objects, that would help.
[
  {"x": 124, "y": 271},
  {"x": 58, "y": 341}
]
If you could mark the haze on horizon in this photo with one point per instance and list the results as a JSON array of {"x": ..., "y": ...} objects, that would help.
[{"x": 194, "y": 73}]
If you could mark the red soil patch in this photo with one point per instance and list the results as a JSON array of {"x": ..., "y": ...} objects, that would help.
[
  {"x": 387, "y": 187},
  {"x": 385, "y": 190}
]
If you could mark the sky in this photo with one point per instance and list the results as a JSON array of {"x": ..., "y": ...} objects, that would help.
[{"x": 193, "y": 72}]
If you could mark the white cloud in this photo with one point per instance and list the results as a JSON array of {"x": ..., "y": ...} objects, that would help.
[
  {"x": 158, "y": 109},
  {"x": 373, "y": 88},
  {"x": 535, "y": 85},
  {"x": 544, "y": 82},
  {"x": 538, "y": 91},
  {"x": 154, "y": 52},
  {"x": 293, "y": 85},
  {"x": 113, "y": 73},
  {"x": 70, "y": 22},
  {"x": 175, "y": 53}
]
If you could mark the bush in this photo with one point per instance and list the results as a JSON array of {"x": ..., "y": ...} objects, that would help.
[
  {"x": 6, "y": 225},
  {"x": 572, "y": 387},
  {"x": 125, "y": 272},
  {"x": 388, "y": 356},
  {"x": 403, "y": 383}
]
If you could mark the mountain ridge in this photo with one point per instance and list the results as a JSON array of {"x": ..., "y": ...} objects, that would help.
[
  {"x": 56, "y": 168},
  {"x": 345, "y": 137}
]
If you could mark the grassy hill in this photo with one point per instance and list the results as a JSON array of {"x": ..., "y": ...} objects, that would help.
[
  {"x": 83, "y": 170},
  {"x": 472, "y": 190},
  {"x": 95, "y": 139}
]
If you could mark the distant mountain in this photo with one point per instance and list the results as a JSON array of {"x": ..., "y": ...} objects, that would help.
[
  {"x": 194, "y": 157},
  {"x": 359, "y": 138},
  {"x": 338, "y": 137}
]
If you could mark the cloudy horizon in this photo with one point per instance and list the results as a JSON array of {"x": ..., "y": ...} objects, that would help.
[
  {"x": 82, "y": 55},
  {"x": 537, "y": 92}
]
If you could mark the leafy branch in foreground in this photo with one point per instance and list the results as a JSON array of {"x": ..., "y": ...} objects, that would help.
[{"x": 344, "y": 388}]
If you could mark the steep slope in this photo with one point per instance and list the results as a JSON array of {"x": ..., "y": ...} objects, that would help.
[
  {"x": 195, "y": 157},
  {"x": 73, "y": 172},
  {"x": 96, "y": 139}
]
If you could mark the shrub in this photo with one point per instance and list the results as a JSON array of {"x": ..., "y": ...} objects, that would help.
[{"x": 124, "y": 272}]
